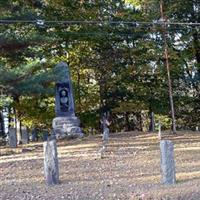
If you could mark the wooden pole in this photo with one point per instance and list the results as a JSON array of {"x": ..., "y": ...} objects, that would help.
[{"x": 166, "y": 55}]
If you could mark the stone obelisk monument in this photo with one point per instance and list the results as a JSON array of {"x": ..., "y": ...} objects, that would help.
[{"x": 65, "y": 124}]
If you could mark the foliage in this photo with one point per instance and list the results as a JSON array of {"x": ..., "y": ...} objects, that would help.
[{"x": 115, "y": 67}]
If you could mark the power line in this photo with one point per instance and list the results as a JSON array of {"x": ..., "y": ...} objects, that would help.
[
  {"x": 136, "y": 23},
  {"x": 110, "y": 34}
]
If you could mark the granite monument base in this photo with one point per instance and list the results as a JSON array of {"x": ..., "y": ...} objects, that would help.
[{"x": 67, "y": 127}]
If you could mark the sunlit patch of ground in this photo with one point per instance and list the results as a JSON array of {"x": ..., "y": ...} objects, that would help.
[{"x": 130, "y": 169}]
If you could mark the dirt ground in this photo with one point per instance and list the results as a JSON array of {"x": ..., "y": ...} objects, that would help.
[{"x": 129, "y": 170}]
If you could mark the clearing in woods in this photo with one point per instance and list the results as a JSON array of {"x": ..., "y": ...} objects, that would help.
[{"x": 130, "y": 169}]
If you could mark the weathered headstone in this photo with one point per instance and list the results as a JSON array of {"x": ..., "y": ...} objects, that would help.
[
  {"x": 65, "y": 123},
  {"x": 34, "y": 135},
  {"x": 45, "y": 135},
  {"x": 51, "y": 170},
  {"x": 105, "y": 137},
  {"x": 12, "y": 138},
  {"x": 25, "y": 135},
  {"x": 167, "y": 162}
]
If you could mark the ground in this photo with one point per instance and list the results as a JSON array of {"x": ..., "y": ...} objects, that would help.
[{"x": 129, "y": 170}]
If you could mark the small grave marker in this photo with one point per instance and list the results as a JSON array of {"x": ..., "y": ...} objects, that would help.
[
  {"x": 25, "y": 135},
  {"x": 12, "y": 138},
  {"x": 51, "y": 170},
  {"x": 105, "y": 123}
]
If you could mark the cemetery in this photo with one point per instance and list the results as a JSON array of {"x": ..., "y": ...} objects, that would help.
[
  {"x": 100, "y": 100},
  {"x": 130, "y": 169}
]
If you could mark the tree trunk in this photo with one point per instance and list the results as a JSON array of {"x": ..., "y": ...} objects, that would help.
[
  {"x": 197, "y": 49},
  {"x": 18, "y": 128},
  {"x": 79, "y": 88},
  {"x": 17, "y": 121},
  {"x": 127, "y": 124},
  {"x": 9, "y": 116},
  {"x": 101, "y": 105},
  {"x": 139, "y": 121},
  {"x": 152, "y": 122},
  {"x": 102, "y": 92},
  {"x": 2, "y": 127}
]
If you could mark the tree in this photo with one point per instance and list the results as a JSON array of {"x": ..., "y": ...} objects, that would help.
[{"x": 116, "y": 65}]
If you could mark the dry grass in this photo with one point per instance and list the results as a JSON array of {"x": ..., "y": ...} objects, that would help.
[{"x": 130, "y": 169}]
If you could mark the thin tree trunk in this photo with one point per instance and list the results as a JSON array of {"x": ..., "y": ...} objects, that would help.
[
  {"x": 79, "y": 88},
  {"x": 127, "y": 125},
  {"x": 18, "y": 129},
  {"x": 101, "y": 96},
  {"x": 139, "y": 121},
  {"x": 2, "y": 128},
  {"x": 197, "y": 49},
  {"x": 152, "y": 121},
  {"x": 9, "y": 116},
  {"x": 166, "y": 53},
  {"x": 17, "y": 121}
]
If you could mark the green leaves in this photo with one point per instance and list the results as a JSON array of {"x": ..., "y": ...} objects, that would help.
[{"x": 115, "y": 65}]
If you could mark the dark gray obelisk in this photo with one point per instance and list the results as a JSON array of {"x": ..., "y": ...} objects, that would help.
[{"x": 65, "y": 123}]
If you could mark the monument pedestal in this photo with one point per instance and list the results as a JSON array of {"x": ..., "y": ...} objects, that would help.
[{"x": 67, "y": 127}]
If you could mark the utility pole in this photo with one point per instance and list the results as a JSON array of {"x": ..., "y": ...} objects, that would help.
[{"x": 166, "y": 55}]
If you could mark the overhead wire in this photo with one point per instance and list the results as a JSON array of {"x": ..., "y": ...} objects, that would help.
[
  {"x": 41, "y": 21},
  {"x": 151, "y": 26}
]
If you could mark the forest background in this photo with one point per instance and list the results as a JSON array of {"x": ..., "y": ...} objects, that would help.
[{"x": 115, "y": 51}]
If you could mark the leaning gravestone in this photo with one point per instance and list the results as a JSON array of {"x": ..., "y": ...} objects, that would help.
[
  {"x": 105, "y": 137},
  {"x": 167, "y": 162},
  {"x": 34, "y": 135},
  {"x": 51, "y": 171},
  {"x": 65, "y": 123},
  {"x": 25, "y": 135},
  {"x": 12, "y": 138},
  {"x": 104, "y": 142},
  {"x": 45, "y": 135}
]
